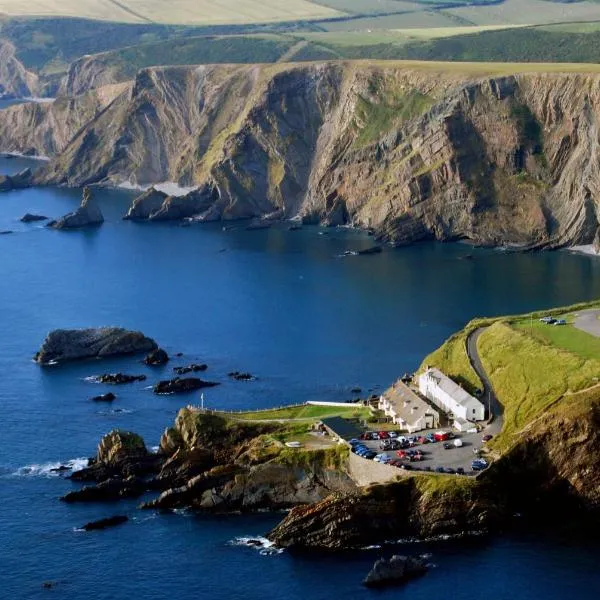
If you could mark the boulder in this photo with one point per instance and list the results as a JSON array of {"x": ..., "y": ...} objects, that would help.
[
  {"x": 63, "y": 345},
  {"x": 397, "y": 569},
  {"x": 118, "y": 446},
  {"x": 193, "y": 368},
  {"x": 145, "y": 205},
  {"x": 181, "y": 385},
  {"x": 18, "y": 181},
  {"x": 104, "y": 523},
  {"x": 29, "y": 218},
  {"x": 372, "y": 250},
  {"x": 157, "y": 357},
  {"x": 118, "y": 378},
  {"x": 86, "y": 215},
  {"x": 104, "y": 397}
]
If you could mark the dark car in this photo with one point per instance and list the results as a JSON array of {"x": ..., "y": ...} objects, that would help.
[
  {"x": 447, "y": 446},
  {"x": 460, "y": 471},
  {"x": 487, "y": 438},
  {"x": 479, "y": 465},
  {"x": 449, "y": 470},
  {"x": 406, "y": 467},
  {"x": 440, "y": 470},
  {"x": 370, "y": 454}
]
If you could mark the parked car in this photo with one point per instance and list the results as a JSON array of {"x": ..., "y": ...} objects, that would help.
[
  {"x": 450, "y": 471},
  {"x": 392, "y": 434},
  {"x": 382, "y": 458},
  {"x": 487, "y": 437},
  {"x": 422, "y": 440},
  {"x": 439, "y": 470},
  {"x": 406, "y": 467},
  {"x": 441, "y": 436},
  {"x": 370, "y": 455},
  {"x": 559, "y": 322},
  {"x": 383, "y": 435},
  {"x": 448, "y": 446},
  {"x": 479, "y": 464},
  {"x": 401, "y": 453},
  {"x": 547, "y": 320},
  {"x": 354, "y": 442},
  {"x": 460, "y": 471},
  {"x": 458, "y": 443},
  {"x": 431, "y": 438}
]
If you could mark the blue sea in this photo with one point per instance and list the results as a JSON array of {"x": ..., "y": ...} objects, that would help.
[{"x": 289, "y": 308}]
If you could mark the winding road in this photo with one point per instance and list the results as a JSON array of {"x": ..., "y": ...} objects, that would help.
[
  {"x": 488, "y": 391},
  {"x": 588, "y": 321}
]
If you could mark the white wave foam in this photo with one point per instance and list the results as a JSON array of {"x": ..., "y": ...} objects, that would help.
[
  {"x": 261, "y": 544},
  {"x": 51, "y": 469},
  {"x": 154, "y": 449}
]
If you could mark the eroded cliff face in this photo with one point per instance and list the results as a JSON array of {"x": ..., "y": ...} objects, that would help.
[
  {"x": 15, "y": 80},
  {"x": 413, "y": 154}
]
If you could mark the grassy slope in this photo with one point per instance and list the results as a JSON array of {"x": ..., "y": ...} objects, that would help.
[{"x": 529, "y": 375}]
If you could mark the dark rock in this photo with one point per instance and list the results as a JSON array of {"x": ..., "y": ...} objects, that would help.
[
  {"x": 48, "y": 585},
  {"x": 61, "y": 469},
  {"x": 72, "y": 344},
  {"x": 193, "y": 368},
  {"x": 179, "y": 354},
  {"x": 6, "y": 232},
  {"x": 355, "y": 390},
  {"x": 294, "y": 227},
  {"x": 15, "y": 182},
  {"x": 108, "y": 490},
  {"x": 239, "y": 376},
  {"x": 179, "y": 385},
  {"x": 104, "y": 523},
  {"x": 104, "y": 397},
  {"x": 157, "y": 357},
  {"x": 29, "y": 218},
  {"x": 86, "y": 215},
  {"x": 118, "y": 378},
  {"x": 397, "y": 569}
]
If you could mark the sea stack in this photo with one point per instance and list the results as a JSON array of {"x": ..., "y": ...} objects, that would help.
[{"x": 88, "y": 214}]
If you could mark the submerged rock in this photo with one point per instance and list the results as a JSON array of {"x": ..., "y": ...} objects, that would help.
[
  {"x": 180, "y": 385},
  {"x": 72, "y": 344},
  {"x": 29, "y": 218},
  {"x": 118, "y": 378},
  {"x": 372, "y": 250},
  {"x": 86, "y": 215},
  {"x": 193, "y": 368},
  {"x": 104, "y": 523},
  {"x": 239, "y": 376},
  {"x": 18, "y": 181},
  {"x": 397, "y": 569},
  {"x": 157, "y": 357}
]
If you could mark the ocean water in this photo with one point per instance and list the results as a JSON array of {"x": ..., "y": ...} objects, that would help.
[{"x": 281, "y": 304}]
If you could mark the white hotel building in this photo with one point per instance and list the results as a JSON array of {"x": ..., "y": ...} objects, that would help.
[{"x": 450, "y": 397}]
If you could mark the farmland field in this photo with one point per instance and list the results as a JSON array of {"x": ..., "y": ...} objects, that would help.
[{"x": 189, "y": 12}]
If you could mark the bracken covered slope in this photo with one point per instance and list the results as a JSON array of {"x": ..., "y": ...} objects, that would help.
[{"x": 412, "y": 153}]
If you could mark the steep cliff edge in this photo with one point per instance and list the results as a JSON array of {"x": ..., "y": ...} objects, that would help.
[
  {"x": 15, "y": 80},
  {"x": 412, "y": 153}
]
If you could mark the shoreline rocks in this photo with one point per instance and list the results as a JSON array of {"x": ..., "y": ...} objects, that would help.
[
  {"x": 397, "y": 569},
  {"x": 62, "y": 345},
  {"x": 88, "y": 214},
  {"x": 181, "y": 385},
  {"x": 18, "y": 181},
  {"x": 239, "y": 376}
]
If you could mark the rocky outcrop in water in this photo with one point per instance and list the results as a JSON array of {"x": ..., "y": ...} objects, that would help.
[
  {"x": 181, "y": 385},
  {"x": 193, "y": 368},
  {"x": 398, "y": 569},
  {"x": 29, "y": 218},
  {"x": 105, "y": 523},
  {"x": 63, "y": 345},
  {"x": 110, "y": 397},
  {"x": 88, "y": 214},
  {"x": 118, "y": 378},
  {"x": 15, "y": 182}
]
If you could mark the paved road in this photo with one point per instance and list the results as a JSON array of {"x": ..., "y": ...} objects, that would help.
[
  {"x": 587, "y": 320},
  {"x": 488, "y": 391}
]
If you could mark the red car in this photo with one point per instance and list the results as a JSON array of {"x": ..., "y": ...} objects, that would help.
[
  {"x": 401, "y": 453},
  {"x": 384, "y": 435},
  {"x": 441, "y": 436}
]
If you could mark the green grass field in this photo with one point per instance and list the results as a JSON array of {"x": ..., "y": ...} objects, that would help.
[{"x": 307, "y": 412}]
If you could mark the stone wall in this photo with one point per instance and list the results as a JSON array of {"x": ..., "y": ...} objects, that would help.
[{"x": 364, "y": 472}]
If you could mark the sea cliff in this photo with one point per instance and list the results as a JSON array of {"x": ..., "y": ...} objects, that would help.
[{"x": 412, "y": 152}]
